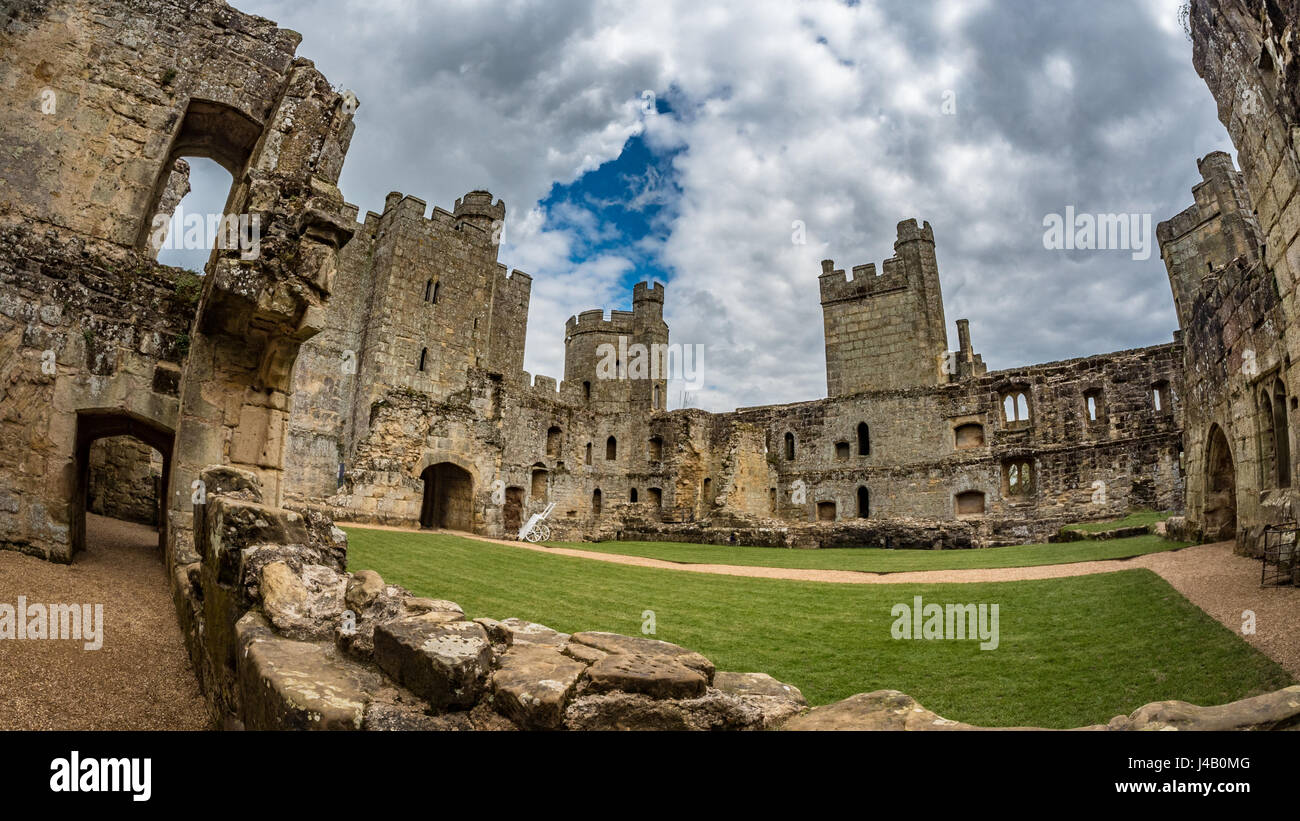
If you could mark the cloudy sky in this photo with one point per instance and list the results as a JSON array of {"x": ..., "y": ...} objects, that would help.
[{"x": 683, "y": 141}]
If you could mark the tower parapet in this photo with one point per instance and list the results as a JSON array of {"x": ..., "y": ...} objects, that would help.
[
  {"x": 887, "y": 330},
  {"x": 617, "y": 363}
]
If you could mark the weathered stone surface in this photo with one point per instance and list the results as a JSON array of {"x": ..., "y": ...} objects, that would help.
[
  {"x": 655, "y": 676},
  {"x": 305, "y": 605},
  {"x": 444, "y": 662},
  {"x": 518, "y": 631},
  {"x": 879, "y": 710},
  {"x": 286, "y": 684},
  {"x": 776, "y": 700},
  {"x": 583, "y": 653},
  {"x": 1279, "y": 710},
  {"x": 714, "y": 710},
  {"x": 364, "y": 587},
  {"x": 617, "y": 644},
  {"x": 533, "y": 685}
]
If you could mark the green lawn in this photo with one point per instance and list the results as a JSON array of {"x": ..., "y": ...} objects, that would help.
[
  {"x": 1073, "y": 651},
  {"x": 1138, "y": 518},
  {"x": 876, "y": 560}
]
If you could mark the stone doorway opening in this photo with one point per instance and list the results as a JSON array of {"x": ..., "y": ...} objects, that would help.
[
  {"x": 448, "y": 497},
  {"x": 119, "y": 458},
  {"x": 512, "y": 513},
  {"x": 1220, "y": 489}
]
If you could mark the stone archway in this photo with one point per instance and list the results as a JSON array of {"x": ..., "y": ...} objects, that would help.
[
  {"x": 448, "y": 497},
  {"x": 1220, "y": 512},
  {"x": 93, "y": 425}
]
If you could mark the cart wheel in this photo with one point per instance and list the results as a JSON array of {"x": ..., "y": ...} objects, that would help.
[
  {"x": 534, "y": 535},
  {"x": 545, "y": 533}
]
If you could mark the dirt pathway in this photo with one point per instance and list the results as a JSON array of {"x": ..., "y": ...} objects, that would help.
[
  {"x": 140, "y": 679},
  {"x": 1210, "y": 576}
]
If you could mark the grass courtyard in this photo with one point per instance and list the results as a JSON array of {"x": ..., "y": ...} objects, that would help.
[
  {"x": 1072, "y": 651},
  {"x": 876, "y": 560}
]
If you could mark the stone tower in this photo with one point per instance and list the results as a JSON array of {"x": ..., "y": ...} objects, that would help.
[
  {"x": 620, "y": 364},
  {"x": 1217, "y": 228},
  {"x": 886, "y": 330}
]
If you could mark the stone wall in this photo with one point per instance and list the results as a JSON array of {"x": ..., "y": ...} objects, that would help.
[
  {"x": 1240, "y": 333},
  {"x": 125, "y": 480}
]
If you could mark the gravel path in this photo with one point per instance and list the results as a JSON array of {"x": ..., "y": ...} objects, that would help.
[
  {"x": 140, "y": 679},
  {"x": 1210, "y": 576}
]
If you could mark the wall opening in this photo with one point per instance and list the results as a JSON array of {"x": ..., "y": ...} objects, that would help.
[
  {"x": 1220, "y": 511},
  {"x": 864, "y": 503},
  {"x": 586, "y": 459},
  {"x": 539, "y": 486},
  {"x": 595, "y": 502},
  {"x": 93, "y": 426},
  {"x": 448, "y": 497},
  {"x": 1160, "y": 397},
  {"x": 969, "y": 435},
  {"x": 424, "y": 359},
  {"x": 1282, "y": 435},
  {"x": 1017, "y": 479},
  {"x": 512, "y": 512},
  {"x": 655, "y": 497},
  {"x": 611, "y": 449},
  {"x": 631, "y": 495},
  {"x": 553, "y": 441},
  {"x": 789, "y": 447},
  {"x": 864, "y": 439},
  {"x": 1016, "y": 410},
  {"x": 969, "y": 503},
  {"x": 841, "y": 450},
  {"x": 825, "y": 511},
  {"x": 656, "y": 450}
]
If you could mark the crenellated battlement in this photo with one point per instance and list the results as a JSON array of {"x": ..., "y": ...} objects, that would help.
[
  {"x": 835, "y": 286},
  {"x": 647, "y": 306}
]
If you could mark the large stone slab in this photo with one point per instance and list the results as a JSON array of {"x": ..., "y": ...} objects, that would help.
[
  {"x": 879, "y": 710},
  {"x": 654, "y": 676},
  {"x": 618, "y": 644},
  {"x": 1279, "y": 710},
  {"x": 776, "y": 700},
  {"x": 304, "y": 605},
  {"x": 443, "y": 661},
  {"x": 533, "y": 685},
  {"x": 714, "y": 710},
  {"x": 293, "y": 685}
]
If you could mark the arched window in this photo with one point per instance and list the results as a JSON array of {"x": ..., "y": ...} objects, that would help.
[
  {"x": 553, "y": 441},
  {"x": 587, "y": 459},
  {"x": 706, "y": 493},
  {"x": 1017, "y": 478},
  {"x": 434, "y": 296},
  {"x": 428, "y": 291},
  {"x": 789, "y": 447},
  {"x": 864, "y": 503},
  {"x": 595, "y": 502},
  {"x": 657, "y": 403},
  {"x": 424, "y": 357},
  {"x": 864, "y": 439},
  {"x": 539, "y": 486},
  {"x": 1015, "y": 408},
  {"x": 611, "y": 449}
]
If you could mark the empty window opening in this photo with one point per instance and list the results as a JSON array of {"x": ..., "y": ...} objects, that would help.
[
  {"x": 1017, "y": 478},
  {"x": 1160, "y": 397},
  {"x": 539, "y": 486},
  {"x": 706, "y": 493},
  {"x": 864, "y": 503},
  {"x": 595, "y": 502},
  {"x": 655, "y": 497},
  {"x": 631, "y": 496},
  {"x": 969, "y": 435},
  {"x": 656, "y": 448},
  {"x": 1092, "y": 405},
  {"x": 428, "y": 291},
  {"x": 864, "y": 439},
  {"x": 424, "y": 359},
  {"x": 586, "y": 460},
  {"x": 841, "y": 450},
  {"x": 825, "y": 511},
  {"x": 969, "y": 503},
  {"x": 191, "y": 217},
  {"x": 771, "y": 499},
  {"x": 553, "y": 441},
  {"x": 611, "y": 449},
  {"x": 586, "y": 391},
  {"x": 789, "y": 447}
]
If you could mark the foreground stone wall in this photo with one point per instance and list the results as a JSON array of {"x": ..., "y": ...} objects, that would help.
[{"x": 285, "y": 639}]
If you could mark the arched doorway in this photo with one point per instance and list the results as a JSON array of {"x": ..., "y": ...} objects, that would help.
[
  {"x": 448, "y": 497},
  {"x": 1220, "y": 488},
  {"x": 94, "y": 425}
]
